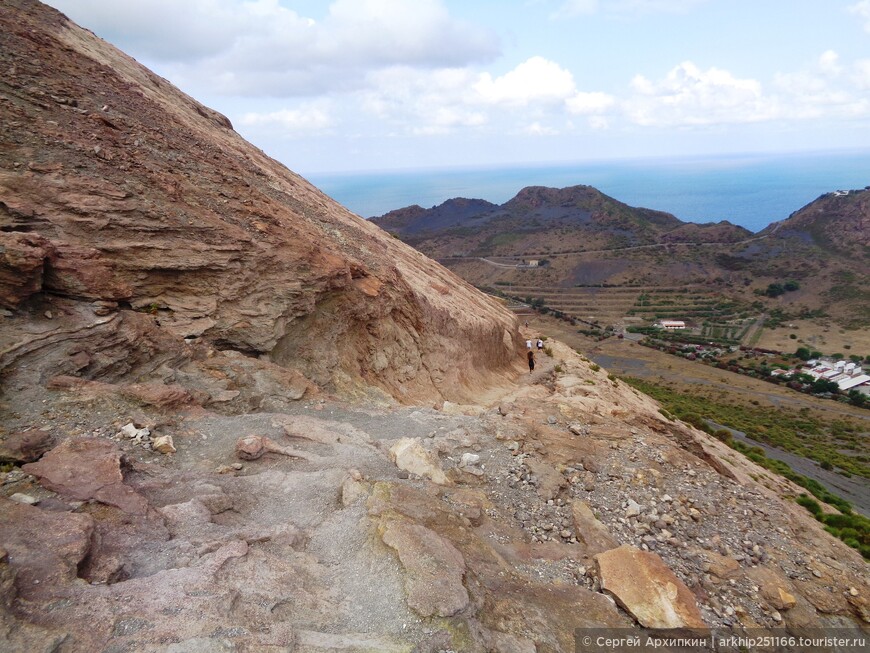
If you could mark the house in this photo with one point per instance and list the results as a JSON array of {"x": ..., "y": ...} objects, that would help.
[
  {"x": 671, "y": 325},
  {"x": 533, "y": 263}
]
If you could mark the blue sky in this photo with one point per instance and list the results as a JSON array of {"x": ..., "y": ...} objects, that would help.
[{"x": 366, "y": 85}]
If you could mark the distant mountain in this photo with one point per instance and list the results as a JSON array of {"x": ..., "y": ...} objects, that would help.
[
  {"x": 545, "y": 220},
  {"x": 586, "y": 238},
  {"x": 838, "y": 221}
]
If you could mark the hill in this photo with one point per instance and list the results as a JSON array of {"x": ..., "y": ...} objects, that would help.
[
  {"x": 586, "y": 239},
  {"x": 117, "y": 188}
]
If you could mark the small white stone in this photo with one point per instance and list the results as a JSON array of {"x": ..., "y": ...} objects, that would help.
[{"x": 24, "y": 498}]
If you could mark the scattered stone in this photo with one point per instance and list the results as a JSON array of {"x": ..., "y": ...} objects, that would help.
[
  {"x": 163, "y": 444},
  {"x": 20, "y": 497},
  {"x": 252, "y": 447},
  {"x": 469, "y": 459},
  {"x": 633, "y": 509}
]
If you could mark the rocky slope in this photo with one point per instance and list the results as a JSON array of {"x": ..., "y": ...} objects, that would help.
[{"x": 119, "y": 192}]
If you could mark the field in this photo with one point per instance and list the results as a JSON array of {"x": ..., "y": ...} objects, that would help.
[{"x": 816, "y": 334}]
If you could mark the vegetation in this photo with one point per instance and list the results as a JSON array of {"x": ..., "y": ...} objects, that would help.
[
  {"x": 799, "y": 433},
  {"x": 854, "y": 530}
]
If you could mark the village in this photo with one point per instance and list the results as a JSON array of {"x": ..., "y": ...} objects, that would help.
[{"x": 836, "y": 376}]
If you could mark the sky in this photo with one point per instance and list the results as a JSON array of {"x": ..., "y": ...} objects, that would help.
[{"x": 375, "y": 85}]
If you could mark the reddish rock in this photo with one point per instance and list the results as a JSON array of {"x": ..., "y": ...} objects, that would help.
[
  {"x": 647, "y": 589},
  {"x": 157, "y": 394},
  {"x": 213, "y": 239},
  {"x": 87, "y": 468},
  {"x": 25, "y": 446}
]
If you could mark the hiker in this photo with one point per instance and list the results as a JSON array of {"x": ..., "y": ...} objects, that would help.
[
  {"x": 529, "y": 345},
  {"x": 531, "y": 361},
  {"x": 540, "y": 345}
]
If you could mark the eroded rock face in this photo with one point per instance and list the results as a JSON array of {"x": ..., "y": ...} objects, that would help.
[
  {"x": 153, "y": 202},
  {"x": 648, "y": 590}
]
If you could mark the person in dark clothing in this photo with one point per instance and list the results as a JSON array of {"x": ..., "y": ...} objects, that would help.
[{"x": 531, "y": 361}]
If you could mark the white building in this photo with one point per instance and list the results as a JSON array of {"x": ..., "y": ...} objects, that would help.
[{"x": 672, "y": 325}]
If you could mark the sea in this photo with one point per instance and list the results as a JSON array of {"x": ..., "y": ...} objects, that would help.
[{"x": 748, "y": 190}]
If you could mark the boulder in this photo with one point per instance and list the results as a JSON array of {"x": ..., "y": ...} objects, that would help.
[
  {"x": 44, "y": 547},
  {"x": 647, "y": 589},
  {"x": 433, "y": 568},
  {"x": 589, "y": 531},
  {"x": 25, "y": 446},
  {"x": 87, "y": 468},
  {"x": 410, "y": 455},
  {"x": 550, "y": 481}
]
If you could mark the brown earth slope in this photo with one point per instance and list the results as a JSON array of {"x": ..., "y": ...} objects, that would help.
[{"x": 117, "y": 188}]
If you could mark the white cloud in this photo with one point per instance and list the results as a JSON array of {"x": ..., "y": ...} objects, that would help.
[
  {"x": 861, "y": 75},
  {"x": 691, "y": 96},
  {"x": 862, "y": 10},
  {"x": 537, "y": 129},
  {"x": 535, "y": 80},
  {"x": 624, "y": 8},
  {"x": 262, "y": 48},
  {"x": 303, "y": 120},
  {"x": 588, "y": 103}
]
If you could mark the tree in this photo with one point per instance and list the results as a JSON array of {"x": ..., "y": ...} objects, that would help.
[
  {"x": 859, "y": 399},
  {"x": 774, "y": 290},
  {"x": 803, "y": 353},
  {"x": 791, "y": 285},
  {"x": 821, "y": 386}
]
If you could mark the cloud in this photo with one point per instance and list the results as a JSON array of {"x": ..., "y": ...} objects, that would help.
[
  {"x": 588, "y": 103},
  {"x": 534, "y": 80},
  {"x": 262, "y": 48},
  {"x": 537, "y": 129},
  {"x": 691, "y": 96},
  {"x": 861, "y": 75},
  {"x": 623, "y": 8},
  {"x": 288, "y": 122},
  {"x": 862, "y": 10}
]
